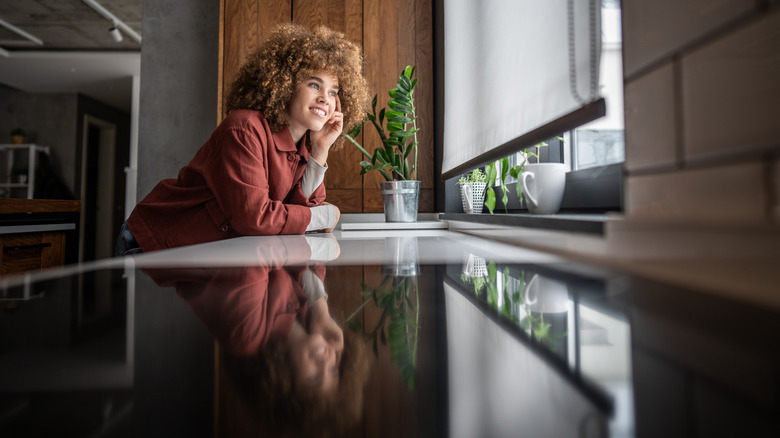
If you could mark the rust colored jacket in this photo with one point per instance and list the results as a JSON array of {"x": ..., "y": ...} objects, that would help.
[{"x": 245, "y": 180}]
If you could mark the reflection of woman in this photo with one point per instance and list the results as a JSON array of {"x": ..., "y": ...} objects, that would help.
[{"x": 289, "y": 361}]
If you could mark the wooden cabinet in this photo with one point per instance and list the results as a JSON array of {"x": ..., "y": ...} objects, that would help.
[
  {"x": 31, "y": 251},
  {"x": 34, "y": 233}
]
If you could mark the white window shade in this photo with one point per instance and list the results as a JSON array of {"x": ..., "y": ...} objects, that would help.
[{"x": 516, "y": 72}]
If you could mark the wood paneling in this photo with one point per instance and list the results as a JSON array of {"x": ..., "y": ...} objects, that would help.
[
  {"x": 347, "y": 200},
  {"x": 14, "y": 205},
  {"x": 246, "y": 23},
  {"x": 393, "y": 34}
]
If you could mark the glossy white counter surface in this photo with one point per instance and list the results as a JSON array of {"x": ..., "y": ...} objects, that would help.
[{"x": 370, "y": 247}]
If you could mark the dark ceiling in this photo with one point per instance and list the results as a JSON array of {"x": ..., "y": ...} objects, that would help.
[
  {"x": 68, "y": 24},
  {"x": 77, "y": 54}
]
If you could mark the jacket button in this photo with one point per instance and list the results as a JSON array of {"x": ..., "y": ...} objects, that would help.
[
  {"x": 290, "y": 157},
  {"x": 225, "y": 228}
]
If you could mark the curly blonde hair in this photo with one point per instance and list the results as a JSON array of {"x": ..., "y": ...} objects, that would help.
[{"x": 292, "y": 53}]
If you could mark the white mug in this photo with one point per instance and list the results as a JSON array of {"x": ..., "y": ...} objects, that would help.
[
  {"x": 542, "y": 185},
  {"x": 546, "y": 295}
]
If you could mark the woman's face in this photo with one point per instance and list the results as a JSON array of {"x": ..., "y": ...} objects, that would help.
[
  {"x": 313, "y": 104},
  {"x": 316, "y": 364}
]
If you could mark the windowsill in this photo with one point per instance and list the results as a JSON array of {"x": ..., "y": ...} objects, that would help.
[{"x": 592, "y": 224}]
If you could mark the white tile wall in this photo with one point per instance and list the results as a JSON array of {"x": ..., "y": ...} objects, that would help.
[
  {"x": 656, "y": 29},
  {"x": 650, "y": 120},
  {"x": 730, "y": 90},
  {"x": 732, "y": 195}
]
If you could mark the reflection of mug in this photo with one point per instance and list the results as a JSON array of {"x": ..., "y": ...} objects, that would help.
[
  {"x": 543, "y": 185},
  {"x": 545, "y": 295}
]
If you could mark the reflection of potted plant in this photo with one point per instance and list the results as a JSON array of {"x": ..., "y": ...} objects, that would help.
[
  {"x": 472, "y": 190},
  {"x": 401, "y": 189},
  {"x": 18, "y": 136},
  {"x": 517, "y": 307},
  {"x": 394, "y": 296}
]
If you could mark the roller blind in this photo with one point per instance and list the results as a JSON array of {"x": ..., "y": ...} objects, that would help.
[{"x": 516, "y": 72}]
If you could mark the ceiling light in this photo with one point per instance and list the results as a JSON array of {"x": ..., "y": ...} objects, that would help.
[
  {"x": 118, "y": 24},
  {"x": 115, "y": 34}
]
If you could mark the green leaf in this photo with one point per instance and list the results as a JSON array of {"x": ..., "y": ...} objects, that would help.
[
  {"x": 404, "y": 84},
  {"x": 381, "y": 155},
  {"x": 504, "y": 171},
  {"x": 490, "y": 169},
  {"x": 401, "y": 134},
  {"x": 401, "y": 100},
  {"x": 400, "y": 119},
  {"x": 400, "y": 105},
  {"x": 490, "y": 199},
  {"x": 394, "y": 126}
]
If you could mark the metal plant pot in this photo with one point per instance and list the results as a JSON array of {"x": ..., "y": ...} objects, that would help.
[{"x": 400, "y": 200}]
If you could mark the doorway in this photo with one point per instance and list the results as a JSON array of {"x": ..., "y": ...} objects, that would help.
[
  {"x": 98, "y": 203},
  {"x": 98, "y": 227}
]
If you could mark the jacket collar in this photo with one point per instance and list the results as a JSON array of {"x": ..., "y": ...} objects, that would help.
[{"x": 284, "y": 143}]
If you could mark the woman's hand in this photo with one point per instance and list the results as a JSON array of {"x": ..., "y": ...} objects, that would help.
[{"x": 321, "y": 141}]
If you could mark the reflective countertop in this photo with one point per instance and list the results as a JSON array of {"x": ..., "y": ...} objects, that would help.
[{"x": 444, "y": 335}]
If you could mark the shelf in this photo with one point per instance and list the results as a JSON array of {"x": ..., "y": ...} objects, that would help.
[{"x": 12, "y": 160}]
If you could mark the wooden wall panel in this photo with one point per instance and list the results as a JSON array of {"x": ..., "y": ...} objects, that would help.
[
  {"x": 423, "y": 55},
  {"x": 398, "y": 33},
  {"x": 345, "y": 16},
  {"x": 245, "y": 24},
  {"x": 347, "y": 200},
  {"x": 393, "y": 34}
]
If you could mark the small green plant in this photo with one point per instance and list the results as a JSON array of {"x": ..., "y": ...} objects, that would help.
[
  {"x": 476, "y": 175},
  {"x": 515, "y": 171},
  {"x": 18, "y": 131},
  {"x": 398, "y": 134}
]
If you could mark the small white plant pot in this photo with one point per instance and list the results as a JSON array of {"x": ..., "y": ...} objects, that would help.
[{"x": 472, "y": 196}]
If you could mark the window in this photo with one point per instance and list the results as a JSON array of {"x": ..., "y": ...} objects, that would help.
[
  {"x": 600, "y": 142},
  {"x": 595, "y": 149}
]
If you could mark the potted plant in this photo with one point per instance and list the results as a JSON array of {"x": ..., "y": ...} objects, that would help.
[
  {"x": 397, "y": 129},
  {"x": 18, "y": 136},
  {"x": 472, "y": 190},
  {"x": 515, "y": 171}
]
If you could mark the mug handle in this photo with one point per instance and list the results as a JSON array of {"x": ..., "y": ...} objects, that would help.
[
  {"x": 528, "y": 298},
  {"x": 531, "y": 199}
]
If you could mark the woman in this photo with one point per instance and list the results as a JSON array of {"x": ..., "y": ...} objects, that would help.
[{"x": 261, "y": 171}]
